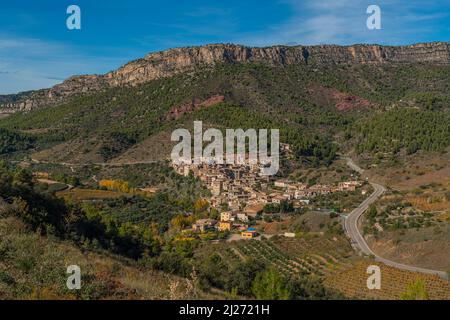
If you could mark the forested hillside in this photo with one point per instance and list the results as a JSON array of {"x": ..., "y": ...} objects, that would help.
[
  {"x": 313, "y": 105},
  {"x": 402, "y": 129},
  {"x": 37, "y": 229},
  {"x": 11, "y": 141},
  {"x": 90, "y": 195}
]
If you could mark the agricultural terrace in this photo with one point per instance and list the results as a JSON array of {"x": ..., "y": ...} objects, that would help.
[{"x": 333, "y": 260}]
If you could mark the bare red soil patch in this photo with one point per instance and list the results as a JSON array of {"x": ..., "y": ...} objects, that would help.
[
  {"x": 177, "y": 111},
  {"x": 341, "y": 100}
]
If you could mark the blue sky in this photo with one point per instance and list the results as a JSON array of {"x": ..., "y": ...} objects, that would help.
[{"x": 38, "y": 51}]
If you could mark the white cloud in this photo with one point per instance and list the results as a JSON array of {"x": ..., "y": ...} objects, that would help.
[
  {"x": 29, "y": 64},
  {"x": 344, "y": 22}
]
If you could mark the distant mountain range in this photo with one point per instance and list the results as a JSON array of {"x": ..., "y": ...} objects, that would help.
[
  {"x": 175, "y": 61},
  {"x": 384, "y": 102}
]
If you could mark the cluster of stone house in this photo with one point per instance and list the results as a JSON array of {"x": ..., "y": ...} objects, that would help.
[
  {"x": 231, "y": 185},
  {"x": 237, "y": 220},
  {"x": 299, "y": 191},
  {"x": 242, "y": 186},
  {"x": 233, "y": 219},
  {"x": 229, "y": 221}
]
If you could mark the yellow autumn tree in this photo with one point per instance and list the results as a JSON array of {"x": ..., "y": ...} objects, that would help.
[
  {"x": 180, "y": 222},
  {"x": 201, "y": 205},
  {"x": 116, "y": 185}
]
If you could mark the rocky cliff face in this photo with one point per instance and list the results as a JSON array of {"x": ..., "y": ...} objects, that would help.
[
  {"x": 170, "y": 62},
  {"x": 174, "y": 61}
]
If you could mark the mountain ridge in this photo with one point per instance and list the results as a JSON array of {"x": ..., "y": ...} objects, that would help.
[{"x": 162, "y": 64}]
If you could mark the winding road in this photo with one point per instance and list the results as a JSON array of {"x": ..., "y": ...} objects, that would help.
[
  {"x": 357, "y": 239},
  {"x": 350, "y": 223},
  {"x": 50, "y": 182},
  {"x": 102, "y": 164}
]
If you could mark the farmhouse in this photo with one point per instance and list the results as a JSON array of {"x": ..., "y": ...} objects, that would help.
[{"x": 203, "y": 225}]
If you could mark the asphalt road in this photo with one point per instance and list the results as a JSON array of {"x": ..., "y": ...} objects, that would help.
[{"x": 357, "y": 239}]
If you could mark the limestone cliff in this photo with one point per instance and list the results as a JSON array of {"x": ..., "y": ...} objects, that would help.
[{"x": 170, "y": 62}]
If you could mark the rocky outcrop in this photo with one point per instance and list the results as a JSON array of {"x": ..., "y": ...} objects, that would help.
[
  {"x": 57, "y": 94},
  {"x": 171, "y": 62}
]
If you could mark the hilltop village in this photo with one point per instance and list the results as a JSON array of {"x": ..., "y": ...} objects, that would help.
[{"x": 241, "y": 192}]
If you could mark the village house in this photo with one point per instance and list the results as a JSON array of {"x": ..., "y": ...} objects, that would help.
[
  {"x": 288, "y": 196},
  {"x": 227, "y": 216},
  {"x": 204, "y": 225},
  {"x": 250, "y": 233},
  {"x": 216, "y": 188},
  {"x": 281, "y": 183},
  {"x": 242, "y": 217},
  {"x": 41, "y": 175},
  {"x": 348, "y": 185},
  {"x": 234, "y": 204},
  {"x": 278, "y": 198},
  {"x": 240, "y": 226},
  {"x": 225, "y": 226}
]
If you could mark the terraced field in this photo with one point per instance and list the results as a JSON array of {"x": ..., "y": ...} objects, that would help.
[
  {"x": 333, "y": 260},
  {"x": 316, "y": 256},
  {"x": 394, "y": 282}
]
